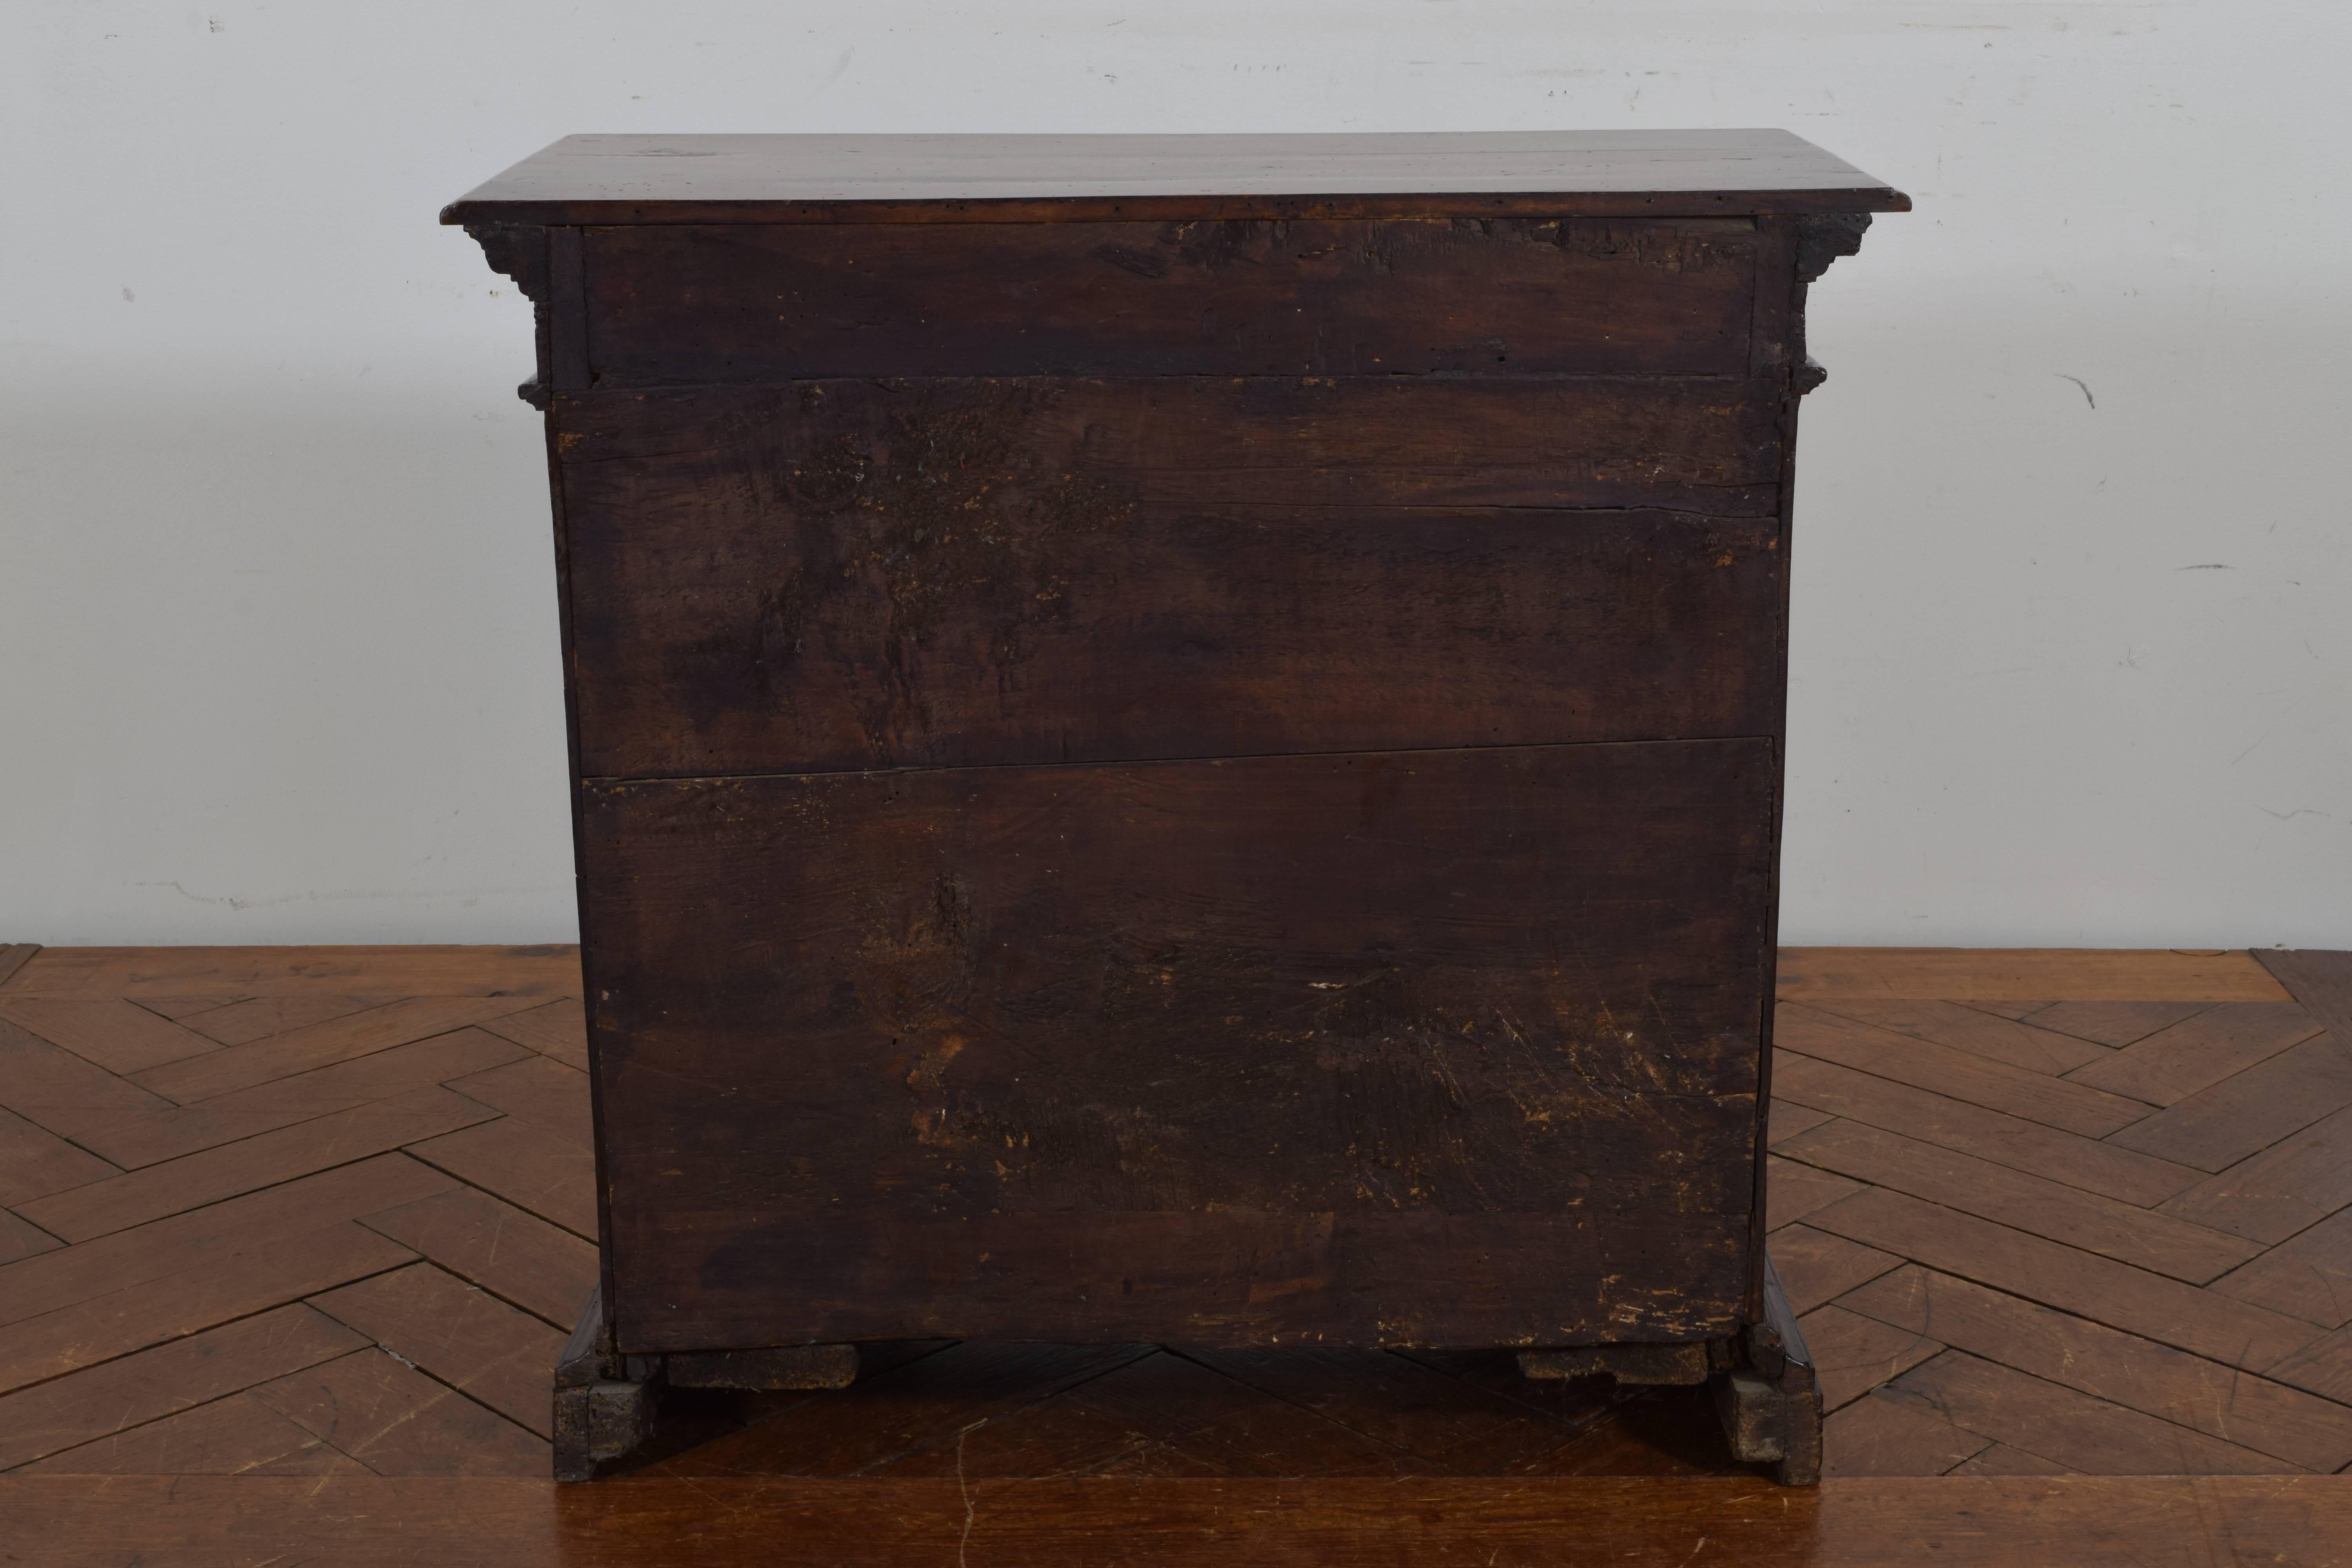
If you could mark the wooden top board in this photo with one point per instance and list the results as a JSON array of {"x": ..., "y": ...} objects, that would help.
[{"x": 903, "y": 178}]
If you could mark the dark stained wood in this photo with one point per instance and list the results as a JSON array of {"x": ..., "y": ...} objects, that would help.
[
  {"x": 2293, "y": 1184},
  {"x": 538, "y": 1090},
  {"x": 763, "y": 302},
  {"x": 1086, "y": 178},
  {"x": 1002, "y": 984},
  {"x": 239, "y": 1435},
  {"x": 857, "y": 574},
  {"x": 21, "y": 1238},
  {"x": 1854, "y": 1354},
  {"x": 1340, "y": 1522},
  {"x": 1895, "y": 1431},
  {"x": 1818, "y": 1267},
  {"x": 2308, "y": 1276}
]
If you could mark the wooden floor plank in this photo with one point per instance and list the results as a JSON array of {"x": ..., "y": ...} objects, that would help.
[
  {"x": 1341, "y": 1522},
  {"x": 20, "y": 1238},
  {"x": 254, "y": 1019},
  {"x": 2081, "y": 1433},
  {"x": 67, "y": 1412},
  {"x": 305, "y": 1097},
  {"x": 2013, "y": 1011},
  {"x": 2083, "y": 1283},
  {"x": 1854, "y": 1354},
  {"x": 1657, "y": 1432},
  {"x": 288, "y": 1153},
  {"x": 2115, "y": 1024},
  {"x": 1816, "y": 1267},
  {"x": 1462, "y": 1429},
  {"x": 1957, "y": 1075},
  {"x": 1792, "y": 1191},
  {"x": 518, "y": 1256},
  {"x": 153, "y": 1312},
  {"x": 557, "y": 1029},
  {"x": 1261, "y": 1439},
  {"x": 2323, "y": 1367},
  {"x": 178, "y": 1009},
  {"x": 466, "y": 1338},
  {"x": 2043, "y": 974},
  {"x": 2319, "y": 979},
  {"x": 398, "y": 1422},
  {"x": 2028, "y": 1146},
  {"x": 2197, "y": 1053},
  {"x": 57, "y": 1090},
  {"x": 2290, "y": 1186},
  {"x": 321, "y": 1045},
  {"x": 2240, "y": 1116},
  {"x": 276, "y": 1216},
  {"x": 2188, "y": 1391},
  {"x": 1893, "y": 1432},
  {"x": 107, "y": 1032},
  {"x": 539, "y": 1090},
  {"x": 1979, "y": 1033},
  {"x": 552, "y": 1177},
  {"x": 2308, "y": 1276},
  {"x": 35, "y": 1162},
  {"x": 2002, "y": 1460},
  {"x": 1873, "y": 1156},
  {"x": 905, "y": 1411},
  {"x": 183, "y": 972},
  {"x": 1787, "y": 1119},
  {"x": 233, "y": 1437}
]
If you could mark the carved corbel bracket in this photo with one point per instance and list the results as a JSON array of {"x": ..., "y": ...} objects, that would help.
[
  {"x": 1823, "y": 238},
  {"x": 520, "y": 251}
]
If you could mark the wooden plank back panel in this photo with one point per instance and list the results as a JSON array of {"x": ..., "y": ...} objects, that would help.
[
  {"x": 848, "y": 574},
  {"x": 673, "y": 305},
  {"x": 1439, "y": 1048}
]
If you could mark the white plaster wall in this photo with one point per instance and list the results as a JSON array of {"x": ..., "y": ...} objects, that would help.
[{"x": 276, "y": 637}]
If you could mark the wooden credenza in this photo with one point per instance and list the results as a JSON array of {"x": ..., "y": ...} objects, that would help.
[{"x": 1176, "y": 738}]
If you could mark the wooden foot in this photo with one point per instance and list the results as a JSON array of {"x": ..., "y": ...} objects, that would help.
[
  {"x": 1771, "y": 1408},
  {"x": 607, "y": 1406}
]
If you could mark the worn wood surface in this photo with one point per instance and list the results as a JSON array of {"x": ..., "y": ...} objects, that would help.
[
  {"x": 2067, "y": 1357},
  {"x": 2041, "y": 976},
  {"x": 858, "y": 574},
  {"x": 1990, "y": 1522},
  {"x": 933, "y": 179},
  {"x": 768, "y": 302},
  {"x": 1431, "y": 1047}
]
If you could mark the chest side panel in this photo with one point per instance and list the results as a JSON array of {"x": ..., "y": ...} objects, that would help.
[
  {"x": 1437, "y": 1047},
  {"x": 855, "y": 573},
  {"x": 674, "y": 304}
]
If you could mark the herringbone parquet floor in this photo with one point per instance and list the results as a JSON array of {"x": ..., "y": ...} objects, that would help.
[{"x": 309, "y": 1211}]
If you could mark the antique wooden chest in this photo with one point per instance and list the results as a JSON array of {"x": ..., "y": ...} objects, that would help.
[{"x": 1175, "y": 737}]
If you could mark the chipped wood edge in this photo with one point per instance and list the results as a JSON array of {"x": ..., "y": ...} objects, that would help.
[{"x": 2023, "y": 975}]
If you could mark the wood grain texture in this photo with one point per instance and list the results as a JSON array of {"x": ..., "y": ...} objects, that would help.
[
  {"x": 235, "y": 972},
  {"x": 117, "y": 1035},
  {"x": 515, "y": 1256},
  {"x": 2085, "y": 1435},
  {"x": 2320, "y": 979},
  {"x": 100, "y": 1401},
  {"x": 2246, "y": 1113},
  {"x": 2041, "y": 973},
  {"x": 34, "y": 1162},
  {"x": 678, "y": 304},
  {"x": 456, "y": 1334},
  {"x": 2188, "y": 1391},
  {"x": 1340, "y": 1522},
  {"x": 2196, "y": 1053},
  {"x": 398, "y": 1422},
  {"x": 845, "y": 574},
  {"x": 1078, "y": 178},
  {"x": 1212, "y": 1052},
  {"x": 1955, "y": 1074}
]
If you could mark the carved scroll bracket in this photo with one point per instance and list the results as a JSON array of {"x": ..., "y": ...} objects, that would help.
[{"x": 520, "y": 251}]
